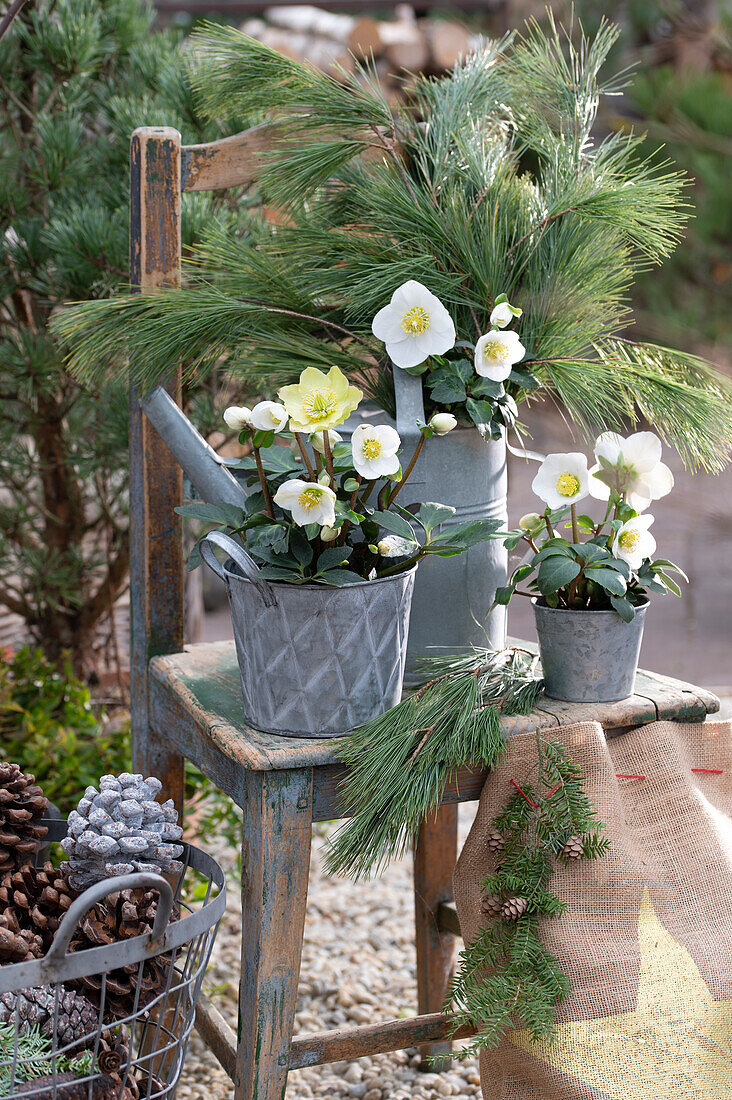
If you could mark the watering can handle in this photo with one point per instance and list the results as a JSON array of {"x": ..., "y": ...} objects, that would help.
[
  {"x": 410, "y": 411},
  {"x": 81, "y": 905},
  {"x": 238, "y": 554}
]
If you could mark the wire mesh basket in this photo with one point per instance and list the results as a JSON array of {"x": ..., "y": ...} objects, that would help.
[{"x": 52, "y": 1050}]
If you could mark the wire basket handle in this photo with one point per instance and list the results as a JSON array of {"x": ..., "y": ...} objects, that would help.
[{"x": 81, "y": 906}]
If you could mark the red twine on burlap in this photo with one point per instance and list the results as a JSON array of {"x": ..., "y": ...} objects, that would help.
[{"x": 523, "y": 795}]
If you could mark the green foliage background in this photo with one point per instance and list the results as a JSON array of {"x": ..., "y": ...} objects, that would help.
[{"x": 76, "y": 77}]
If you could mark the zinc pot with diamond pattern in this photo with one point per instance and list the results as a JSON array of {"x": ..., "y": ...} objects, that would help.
[{"x": 315, "y": 661}]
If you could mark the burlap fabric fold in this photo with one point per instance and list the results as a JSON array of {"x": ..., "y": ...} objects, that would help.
[{"x": 647, "y": 936}]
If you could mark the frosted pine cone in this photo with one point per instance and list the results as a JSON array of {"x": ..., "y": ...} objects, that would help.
[
  {"x": 22, "y": 805},
  {"x": 495, "y": 840},
  {"x": 120, "y": 829},
  {"x": 513, "y": 908},
  {"x": 574, "y": 848}
]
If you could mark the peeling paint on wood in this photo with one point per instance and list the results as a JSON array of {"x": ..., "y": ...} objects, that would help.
[
  {"x": 156, "y": 485},
  {"x": 274, "y": 887}
]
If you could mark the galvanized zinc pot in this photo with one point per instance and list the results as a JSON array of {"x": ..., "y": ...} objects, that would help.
[
  {"x": 315, "y": 661},
  {"x": 588, "y": 656},
  {"x": 452, "y": 596}
]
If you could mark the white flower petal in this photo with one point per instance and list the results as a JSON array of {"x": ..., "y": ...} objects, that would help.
[
  {"x": 658, "y": 482},
  {"x": 598, "y": 489},
  {"x": 501, "y": 315},
  {"x": 608, "y": 446},
  {"x": 384, "y": 324},
  {"x": 642, "y": 451}
]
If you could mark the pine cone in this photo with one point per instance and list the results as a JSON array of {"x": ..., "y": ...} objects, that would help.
[
  {"x": 495, "y": 840},
  {"x": 120, "y": 829},
  {"x": 121, "y": 916},
  {"x": 34, "y": 899},
  {"x": 492, "y": 904},
  {"x": 78, "y": 1020},
  {"x": 574, "y": 848},
  {"x": 18, "y": 946},
  {"x": 513, "y": 908},
  {"x": 22, "y": 805}
]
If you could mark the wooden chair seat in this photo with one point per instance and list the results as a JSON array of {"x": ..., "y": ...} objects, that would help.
[{"x": 195, "y": 703}]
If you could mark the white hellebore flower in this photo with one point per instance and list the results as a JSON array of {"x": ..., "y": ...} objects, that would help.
[
  {"x": 394, "y": 546},
  {"x": 269, "y": 416},
  {"x": 634, "y": 542},
  {"x": 503, "y": 313},
  {"x": 375, "y": 450},
  {"x": 639, "y": 475},
  {"x": 496, "y": 353},
  {"x": 414, "y": 325},
  {"x": 442, "y": 423},
  {"x": 316, "y": 440},
  {"x": 308, "y": 502},
  {"x": 238, "y": 417},
  {"x": 562, "y": 480}
]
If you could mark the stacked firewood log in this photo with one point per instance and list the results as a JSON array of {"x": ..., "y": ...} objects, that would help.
[{"x": 338, "y": 43}]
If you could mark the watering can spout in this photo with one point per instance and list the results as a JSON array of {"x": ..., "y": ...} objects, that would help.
[{"x": 212, "y": 481}]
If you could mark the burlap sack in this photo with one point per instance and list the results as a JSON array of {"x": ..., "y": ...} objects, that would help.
[{"x": 647, "y": 937}]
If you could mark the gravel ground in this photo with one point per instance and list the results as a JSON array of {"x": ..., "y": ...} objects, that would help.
[{"x": 358, "y": 967}]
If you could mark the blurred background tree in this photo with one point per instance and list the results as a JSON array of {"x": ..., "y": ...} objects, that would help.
[{"x": 76, "y": 77}]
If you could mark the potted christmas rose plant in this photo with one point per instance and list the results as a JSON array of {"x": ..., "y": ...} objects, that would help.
[
  {"x": 320, "y": 578},
  {"x": 591, "y": 594}
]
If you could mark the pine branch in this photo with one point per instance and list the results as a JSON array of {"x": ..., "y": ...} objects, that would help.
[{"x": 399, "y": 762}]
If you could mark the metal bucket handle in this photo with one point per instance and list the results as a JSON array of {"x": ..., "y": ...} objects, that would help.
[
  {"x": 239, "y": 556},
  {"x": 81, "y": 906}
]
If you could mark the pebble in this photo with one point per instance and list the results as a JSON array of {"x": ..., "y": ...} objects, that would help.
[{"x": 351, "y": 974}]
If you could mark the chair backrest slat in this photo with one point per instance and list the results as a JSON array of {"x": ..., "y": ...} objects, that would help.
[
  {"x": 156, "y": 480},
  {"x": 231, "y": 162}
]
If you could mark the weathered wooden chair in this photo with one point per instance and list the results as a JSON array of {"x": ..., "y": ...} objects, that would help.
[{"x": 186, "y": 705}]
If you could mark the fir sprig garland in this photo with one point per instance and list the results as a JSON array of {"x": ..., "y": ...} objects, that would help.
[
  {"x": 399, "y": 762},
  {"x": 506, "y": 973}
]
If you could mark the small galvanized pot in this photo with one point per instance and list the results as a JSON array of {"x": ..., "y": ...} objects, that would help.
[
  {"x": 588, "y": 656},
  {"x": 315, "y": 661}
]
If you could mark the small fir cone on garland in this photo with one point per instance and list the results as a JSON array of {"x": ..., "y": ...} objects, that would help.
[
  {"x": 496, "y": 841},
  {"x": 492, "y": 904},
  {"x": 513, "y": 908},
  {"x": 34, "y": 900},
  {"x": 22, "y": 805},
  {"x": 122, "y": 916},
  {"x": 574, "y": 848}
]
